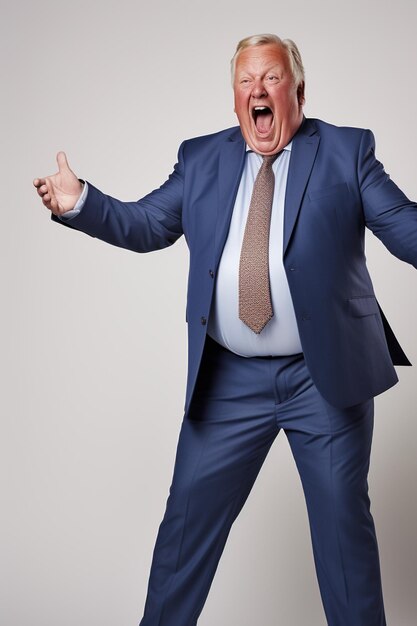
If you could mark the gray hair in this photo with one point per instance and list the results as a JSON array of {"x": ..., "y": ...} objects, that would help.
[{"x": 293, "y": 53}]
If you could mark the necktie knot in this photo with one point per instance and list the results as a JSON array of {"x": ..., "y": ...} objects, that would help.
[{"x": 268, "y": 160}]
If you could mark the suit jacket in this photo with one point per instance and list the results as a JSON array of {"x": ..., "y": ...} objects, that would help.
[{"x": 335, "y": 188}]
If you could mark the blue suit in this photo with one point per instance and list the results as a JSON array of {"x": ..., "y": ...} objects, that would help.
[
  {"x": 322, "y": 398},
  {"x": 335, "y": 188}
]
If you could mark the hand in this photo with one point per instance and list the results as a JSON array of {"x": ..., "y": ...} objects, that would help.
[{"x": 60, "y": 191}]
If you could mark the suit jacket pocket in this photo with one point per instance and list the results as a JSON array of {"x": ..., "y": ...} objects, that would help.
[{"x": 360, "y": 306}]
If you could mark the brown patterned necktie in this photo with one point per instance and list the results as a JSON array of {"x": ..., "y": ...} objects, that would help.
[{"x": 255, "y": 306}]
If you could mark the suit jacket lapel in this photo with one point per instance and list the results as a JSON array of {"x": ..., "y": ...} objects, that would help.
[
  {"x": 231, "y": 162},
  {"x": 303, "y": 152}
]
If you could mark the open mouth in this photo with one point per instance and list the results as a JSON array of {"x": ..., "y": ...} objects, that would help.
[{"x": 263, "y": 118}]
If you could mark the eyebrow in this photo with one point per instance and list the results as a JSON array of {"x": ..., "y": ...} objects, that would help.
[{"x": 277, "y": 68}]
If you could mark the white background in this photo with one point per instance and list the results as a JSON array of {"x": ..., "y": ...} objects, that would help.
[{"x": 93, "y": 339}]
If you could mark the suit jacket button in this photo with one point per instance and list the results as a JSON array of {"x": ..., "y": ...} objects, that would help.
[
  {"x": 211, "y": 273},
  {"x": 203, "y": 321}
]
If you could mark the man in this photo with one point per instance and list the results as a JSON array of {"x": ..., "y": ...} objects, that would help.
[{"x": 285, "y": 331}]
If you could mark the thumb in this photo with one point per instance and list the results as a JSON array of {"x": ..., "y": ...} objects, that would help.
[{"x": 61, "y": 159}]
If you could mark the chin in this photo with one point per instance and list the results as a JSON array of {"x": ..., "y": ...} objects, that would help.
[{"x": 263, "y": 145}]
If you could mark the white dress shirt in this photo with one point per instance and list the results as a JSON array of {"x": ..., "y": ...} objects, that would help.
[{"x": 280, "y": 336}]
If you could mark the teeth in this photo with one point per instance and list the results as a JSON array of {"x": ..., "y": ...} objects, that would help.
[{"x": 260, "y": 108}]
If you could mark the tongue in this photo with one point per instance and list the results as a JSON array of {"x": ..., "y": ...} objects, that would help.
[{"x": 264, "y": 122}]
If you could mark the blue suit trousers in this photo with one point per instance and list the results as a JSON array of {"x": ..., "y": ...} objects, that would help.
[{"x": 238, "y": 408}]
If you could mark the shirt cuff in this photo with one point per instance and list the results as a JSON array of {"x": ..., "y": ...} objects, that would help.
[{"x": 68, "y": 215}]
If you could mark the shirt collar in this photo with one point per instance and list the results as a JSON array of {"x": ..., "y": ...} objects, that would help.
[{"x": 287, "y": 147}]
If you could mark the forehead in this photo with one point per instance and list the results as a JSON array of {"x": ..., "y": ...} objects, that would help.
[{"x": 261, "y": 58}]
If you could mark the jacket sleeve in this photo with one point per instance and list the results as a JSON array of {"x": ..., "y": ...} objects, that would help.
[
  {"x": 390, "y": 215},
  {"x": 151, "y": 223}
]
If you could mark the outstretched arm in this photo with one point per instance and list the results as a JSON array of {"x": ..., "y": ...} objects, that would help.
[
  {"x": 151, "y": 223},
  {"x": 390, "y": 215}
]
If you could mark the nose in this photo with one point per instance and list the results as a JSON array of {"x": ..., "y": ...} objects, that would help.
[{"x": 258, "y": 90}]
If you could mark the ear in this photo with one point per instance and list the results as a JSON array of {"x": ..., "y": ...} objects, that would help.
[{"x": 300, "y": 94}]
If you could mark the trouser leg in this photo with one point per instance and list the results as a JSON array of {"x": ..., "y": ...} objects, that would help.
[
  {"x": 240, "y": 406},
  {"x": 331, "y": 448},
  {"x": 221, "y": 448}
]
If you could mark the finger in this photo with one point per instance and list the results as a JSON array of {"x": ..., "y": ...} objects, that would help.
[
  {"x": 54, "y": 205},
  {"x": 49, "y": 186},
  {"x": 61, "y": 159},
  {"x": 42, "y": 190},
  {"x": 38, "y": 182},
  {"x": 46, "y": 203},
  {"x": 50, "y": 190}
]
